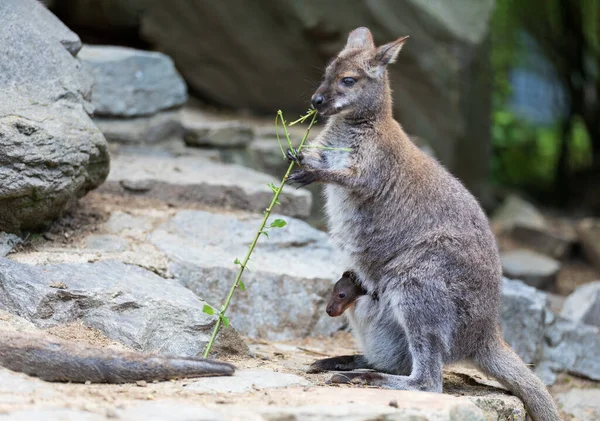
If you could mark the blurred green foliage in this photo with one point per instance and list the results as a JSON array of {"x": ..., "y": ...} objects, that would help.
[{"x": 527, "y": 155}]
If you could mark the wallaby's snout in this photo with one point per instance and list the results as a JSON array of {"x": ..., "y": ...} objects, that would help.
[{"x": 317, "y": 100}]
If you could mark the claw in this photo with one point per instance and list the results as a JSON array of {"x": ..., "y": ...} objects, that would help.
[
  {"x": 302, "y": 178},
  {"x": 294, "y": 155}
]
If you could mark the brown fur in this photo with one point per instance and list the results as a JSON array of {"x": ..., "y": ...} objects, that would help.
[{"x": 345, "y": 293}]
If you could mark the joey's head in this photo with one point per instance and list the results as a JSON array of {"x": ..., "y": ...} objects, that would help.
[
  {"x": 345, "y": 292},
  {"x": 355, "y": 82}
]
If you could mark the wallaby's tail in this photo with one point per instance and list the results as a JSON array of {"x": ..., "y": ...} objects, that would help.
[
  {"x": 56, "y": 360},
  {"x": 501, "y": 362}
]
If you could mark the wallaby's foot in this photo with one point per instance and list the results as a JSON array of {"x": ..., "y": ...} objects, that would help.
[
  {"x": 302, "y": 178},
  {"x": 387, "y": 381},
  {"x": 341, "y": 363},
  {"x": 294, "y": 155}
]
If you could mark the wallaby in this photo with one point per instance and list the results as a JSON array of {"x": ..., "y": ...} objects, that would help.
[
  {"x": 345, "y": 293},
  {"x": 410, "y": 230},
  {"x": 56, "y": 360}
]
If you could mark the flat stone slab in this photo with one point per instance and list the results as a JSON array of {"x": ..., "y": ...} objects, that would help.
[
  {"x": 209, "y": 129},
  {"x": 533, "y": 268},
  {"x": 287, "y": 282},
  {"x": 193, "y": 179},
  {"x": 581, "y": 404},
  {"x": 247, "y": 380}
]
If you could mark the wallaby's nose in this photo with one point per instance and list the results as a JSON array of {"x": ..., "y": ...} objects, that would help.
[
  {"x": 317, "y": 100},
  {"x": 329, "y": 310}
]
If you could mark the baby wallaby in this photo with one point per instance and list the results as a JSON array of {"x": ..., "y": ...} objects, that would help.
[
  {"x": 345, "y": 292},
  {"x": 412, "y": 233}
]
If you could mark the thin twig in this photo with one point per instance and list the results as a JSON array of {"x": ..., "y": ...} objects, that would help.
[{"x": 260, "y": 231}]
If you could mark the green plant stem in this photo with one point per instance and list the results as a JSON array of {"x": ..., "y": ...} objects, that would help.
[{"x": 268, "y": 211}]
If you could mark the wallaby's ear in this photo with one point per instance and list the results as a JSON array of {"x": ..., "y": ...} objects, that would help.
[
  {"x": 360, "y": 38},
  {"x": 387, "y": 53}
]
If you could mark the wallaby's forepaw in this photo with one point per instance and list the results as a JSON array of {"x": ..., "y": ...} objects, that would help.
[
  {"x": 302, "y": 178},
  {"x": 356, "y": 378},
  {"x": 294, "y": 155}
]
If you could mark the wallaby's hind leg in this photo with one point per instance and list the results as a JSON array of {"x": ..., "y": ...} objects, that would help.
[
  {"x": 341, "y": 363},
  {"x": 426, "y": 332}
]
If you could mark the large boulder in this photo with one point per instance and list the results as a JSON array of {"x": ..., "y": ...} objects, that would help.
[
  {"x": 50, "y": 151},
  {"x": 227, "y": 52}
]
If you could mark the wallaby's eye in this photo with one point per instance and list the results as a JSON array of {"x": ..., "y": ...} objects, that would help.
[
  {"x": 348, "y": 81},
  {"x": 342, "y": 295}
]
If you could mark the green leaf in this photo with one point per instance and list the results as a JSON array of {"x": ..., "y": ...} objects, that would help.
[
  {"x": 237, "y": 262},
  {"x": 273, "y": 187},
  {"x": 278, "y": 223},
  {"x": 242, "y": 286},
  {"x": 208, "y": 309},
  {"x": 265, "y": 233},
  {"x": 277, "y": 202},
  {"x": 225, "y": 320}
]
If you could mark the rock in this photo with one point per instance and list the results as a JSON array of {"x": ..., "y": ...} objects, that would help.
[
  {"x": 543, "y": 241},
  {"x": 128, "y": 304},
  {"x": 188, "y": 179},
  {"x": 532, "y": 268},
  {"x": 572, "y": 347},
  {"x": 294, "y": 268},
  {"x": 266, "y": 156},
  {"x": 523, "y": 316},
  {"x": 50, "y": 152},
  {"x": 583, "y": 305},
  {"x": 517, "y": 212},
  {"x": 247, "y": 380},
  {"x": 581, "y": 404},
  {"x": 148, "y": 130},
  {"x": 52, "y": 414},
  {"x": 432, "y": 79},
  {"x": 7, "y": 243},
  {"x": 201, "y": 129},
  {"x": 497, "y": 406},
  {"x": 125, "y": 224},
  {"x": 130, "y": 83},
  {"x": 107, "y": 243},
  {"x": 589, "y": 235}
]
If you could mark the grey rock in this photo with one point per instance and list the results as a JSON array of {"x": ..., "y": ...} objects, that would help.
[
  {"x": 106, "y": 243},
  {"x": 128, "y": 304},
  {"x": 589, "y": 236},
  {"x": 126, "y": 224},
  {"x": 246, "y": 380},
  {"x": 204, "y": 130},
  {"x": 8, "y": 242},
  {"x": 294, "y": 268},
  {"x": 572, "y": 347},
  {"x": 193, "y": 179},
  {"x": 50, "y": 151},
  {"x": 498, "y": 406},
  {"x": 523, "y": 316},
  {"x": 516, "y": 211},
  {"x": 131, "y": 82},
  {"x": 581, "y": 404},
  {"x": 583, "y": 305},
  {"x": 533, "y": 268},
  {"x": 50, "y": 25},
  {"x": 160, "y": 127},
  {"x": 432, "y": 78}
]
